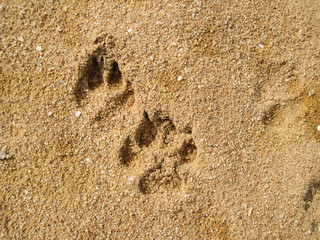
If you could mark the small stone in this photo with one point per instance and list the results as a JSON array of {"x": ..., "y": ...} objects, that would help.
[
  {"x": 287, "y": 80},
  {"x": 88, "y": 160},
  {"x": 50, "y": 114},
  {"x": 77, "y": 114},
  {"x": 180, "y": 78},
  {"x": 21, "y": 39},
  {"x": 261, "y": 45},
  {"x": 250, "y": 212},
  {"x": 130, "y": 30},
  {"x": 3, "y": 152},
  {"x": 59, "y": 29},
  {"x": 39, "y": 48},
  {"x": 318, "y": 128}
]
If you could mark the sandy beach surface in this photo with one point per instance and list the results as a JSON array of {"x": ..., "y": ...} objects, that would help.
[{"x": 172, "y": 119}]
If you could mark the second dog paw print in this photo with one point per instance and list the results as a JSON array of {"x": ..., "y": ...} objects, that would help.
[{"x": 167, "y": 153}]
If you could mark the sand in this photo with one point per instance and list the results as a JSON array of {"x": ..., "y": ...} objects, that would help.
[{"x": 159, "y": 119}]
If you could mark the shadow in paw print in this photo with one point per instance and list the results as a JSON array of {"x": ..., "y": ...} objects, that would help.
[
  {"x": 114, "y": 75},
  {"x": 311, "y": 206},
  {"x": 144, "y": 136},
  {"x": 90, "y": 74},
  {"x": 313, "y": 188},
  {"x": 126, "y": 152},
  {"x": 146, "y": 132},
  {"x": 188, "y": 152},
  {"x": 270, "y": 113}
]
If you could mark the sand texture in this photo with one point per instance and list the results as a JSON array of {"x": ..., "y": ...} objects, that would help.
[{"x": 173, "y": 119}]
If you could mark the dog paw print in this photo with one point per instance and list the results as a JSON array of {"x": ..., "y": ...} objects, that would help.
[
  {"x": 311, "y": 206},
  {"x": 101, "y": 80},
  {"x": 167, "y": 153}
]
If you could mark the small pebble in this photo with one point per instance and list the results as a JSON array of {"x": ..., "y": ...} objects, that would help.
[
  {"x": 88, "y": 160},
  {"x": 130, "y": 30},
  {"x": 21, "y": 39},
  {"x": 286, "y": 80},
  {"x": 77, "y": 114},
  {"x": 180, "y": 78},
  {"x": 50, "y": 114},
  {"x": 261, "y": 45},
  {"x": 39, "y": 49},
  {"x": 59, "y": 29},
  {"x": 318, "y": 128},
  {"x": 3, "y": 152}
]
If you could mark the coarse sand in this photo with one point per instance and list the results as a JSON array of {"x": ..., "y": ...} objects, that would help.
[{"x": 172, "y": 119}]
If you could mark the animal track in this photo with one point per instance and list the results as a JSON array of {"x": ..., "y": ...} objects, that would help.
[
  {"x": 100, "y": 74},
  {"x": 312, "y": 200},
  {"x": 167, "y": 152}
]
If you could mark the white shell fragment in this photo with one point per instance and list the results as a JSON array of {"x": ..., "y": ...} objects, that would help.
[
  {"x": 77, "y": 114},
  {"x": 39, "y": 49},
  {"x": 3, "y": 152}
]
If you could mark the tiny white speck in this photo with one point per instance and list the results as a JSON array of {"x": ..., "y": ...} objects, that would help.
[
  {"x": 286, "y": 80},
  {"x": 318, "y": 128},
  {"x": 50, "y": 114},
  {"x": 130, "y": 30},
  {"x": 88, "y": 160},
  {"x": 261, "y": 45},
  {"x": 130, "y": 179},
  {"x": 39, "y": 49},
  {"x": 77, "y": 114},
  {"x": 20, "y": 39},
  {"x": 180, "y": 78}
]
